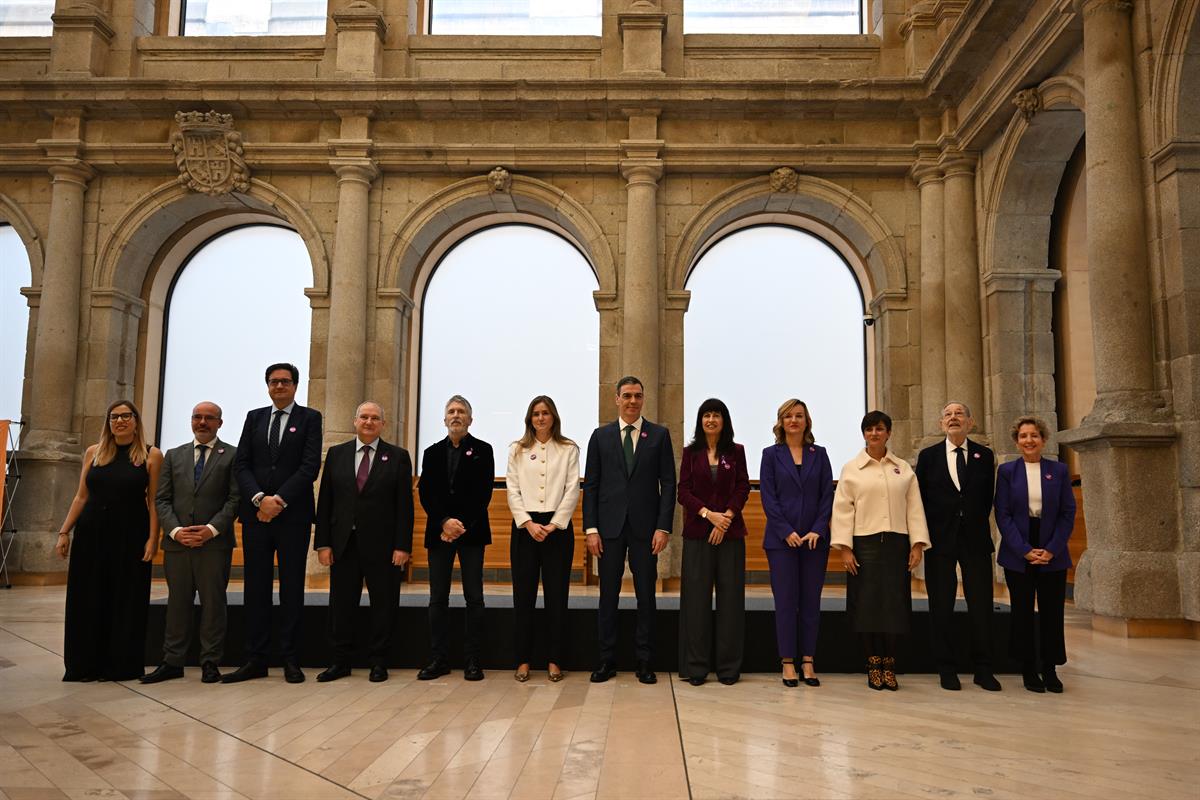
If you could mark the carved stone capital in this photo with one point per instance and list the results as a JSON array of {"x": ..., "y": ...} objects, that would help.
[
  {"x": 926, "y": 171},
  {"x": 355, "y": 170},
  {"x": 208, "y": 153},
  {"x": 1089, "y": 7},
  {"x": 1028, "y": 102},
  {"x": 784, "y": 180},
  {"x": 642, "y": 171},
  {"x": 499, "y": 181},
  {"x": 361, "y": 16}
]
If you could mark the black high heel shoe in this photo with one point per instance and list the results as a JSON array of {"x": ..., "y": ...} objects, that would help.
[
  {"x": 814, "y": 680},
  {"x": 791, "y": 683}
]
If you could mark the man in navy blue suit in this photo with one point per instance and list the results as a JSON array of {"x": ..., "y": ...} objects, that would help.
[
  {"x": 628, "y": 505},
  {"x": 278, "y": 458}
]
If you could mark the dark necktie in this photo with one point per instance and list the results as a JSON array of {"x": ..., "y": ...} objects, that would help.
[
  {"x": 960, "y": 466},
  {"x": 364, "y": 466},
  {"x": 203, "y": 448},
  {"x": 273, "y": 438},
  {"x": 627, "y": 446}
]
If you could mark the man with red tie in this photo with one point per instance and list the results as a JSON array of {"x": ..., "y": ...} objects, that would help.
[{"x": 364, "y": 531}]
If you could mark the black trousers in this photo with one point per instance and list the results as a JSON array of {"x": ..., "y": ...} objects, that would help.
[
  {"x": 1026, "y": 632},
  {"x": 941, "y": 582},
  {"x": 262, "y": 542},
  {"x": 441, "y": 565},
  {"x": 644, "y": 566},
  {"x": 355, "y": 565},
  {"x": 706, "y": 566},
  {"x": 549, "y": 559}
]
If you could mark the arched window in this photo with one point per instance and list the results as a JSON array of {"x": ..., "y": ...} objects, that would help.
[
  {"x": 776, "y": 313},
  {"x": 237, "y": 305},
  {"x": 14, "y": 321},
  {"x": 508, "y": 315}
]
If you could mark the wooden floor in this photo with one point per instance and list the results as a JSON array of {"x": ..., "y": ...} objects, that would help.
[{"x": 1128, "y": 726}]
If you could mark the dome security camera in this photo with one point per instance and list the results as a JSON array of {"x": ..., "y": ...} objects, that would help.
[{"x": 868, "y": 319}]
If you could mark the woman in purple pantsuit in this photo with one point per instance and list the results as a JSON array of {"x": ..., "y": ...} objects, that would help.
[{"x": 796, "y": 480}]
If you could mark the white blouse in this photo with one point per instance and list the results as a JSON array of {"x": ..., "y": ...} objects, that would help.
[
  {"x": 1033, "y": 476},
  {"x": 876, "y": 496},
  {"x": 544, "y": 477}
]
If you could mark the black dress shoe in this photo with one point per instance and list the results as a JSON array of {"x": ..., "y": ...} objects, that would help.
[
  {"x": 334, "y": 672},
  {"x": 987, "y": 681},
  {"x": 1033, "y": 682},
  {"x": 645, "y": 674},
  {"x": 247, "y": 671},
  {"x": 692, "y": 681},
  {"x": 728, "y": 680},
  {"x": 163, "y": 672},
  {"x": 1051, "y": 681},
  {"x": 434, "y": 669},
  {"x": 791, "y": 683},
  {"x": 472, "y": 672},
  {"x": 378, "y": 673},
  {"x": 606, "y": 670},
  {"x": 950, "y": 681},
  {"x": 292, "y": 672},
  {"x": 209, "y": 672}
]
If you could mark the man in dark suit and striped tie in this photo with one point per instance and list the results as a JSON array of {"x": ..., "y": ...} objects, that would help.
[{"x": 278, "y": 458}]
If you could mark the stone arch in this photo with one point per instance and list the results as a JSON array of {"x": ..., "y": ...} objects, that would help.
[
  {"x": 151, "y": 242},
  {"x": 462, "y": 208},
  {"x": 12, "y": 213},
  {"x": 1177, "y": 76},
  {"x": 837, "y": 215}
]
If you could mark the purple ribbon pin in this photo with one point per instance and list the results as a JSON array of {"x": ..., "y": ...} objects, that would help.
[
  {"x": 292, "y": 429},
  {"x": 383, "y": 457}
]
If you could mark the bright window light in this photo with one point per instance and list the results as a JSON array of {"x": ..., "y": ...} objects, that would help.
[
  {"x": 772, "y": 16},
  {"x": 515, "y": 17},
  {"x": 14, "y": 320},
  {"x": 254, "y": 17},
  {"x": 26, "y": 17}
]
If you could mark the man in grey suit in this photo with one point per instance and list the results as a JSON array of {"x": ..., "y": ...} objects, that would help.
[{"x": 197, "y": 501}]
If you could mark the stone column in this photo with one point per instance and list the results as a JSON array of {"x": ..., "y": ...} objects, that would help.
[
  {"x": 1129, "y": 573},
  {"x": 933, "y": 298},
  {"x": 55, "y": 349},
  {"x": 640, "y": 332},
  {"x": 345, "y": 372},
  {"x": 964, "y": 346}
]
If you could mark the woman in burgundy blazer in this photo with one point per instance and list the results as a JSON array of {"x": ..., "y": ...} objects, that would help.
[
  {"x": 796, "y": 481},
  {"x": 713, "y": 487}
]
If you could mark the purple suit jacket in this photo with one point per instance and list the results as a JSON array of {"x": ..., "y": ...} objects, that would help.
[
  {"x": 795, "y": 501},
  {"x": 697, "y": 490},
  {"x": 1012, "y": 514}
]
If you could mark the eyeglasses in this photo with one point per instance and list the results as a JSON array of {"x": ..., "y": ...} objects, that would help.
[
  {"x": 124, "y": 416},
  {"x": 204, "y": 418},
  {"x": 280, "y": 382}
]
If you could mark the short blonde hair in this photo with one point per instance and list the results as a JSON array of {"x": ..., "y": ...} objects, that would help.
[{"x": 1038, "y": 422}]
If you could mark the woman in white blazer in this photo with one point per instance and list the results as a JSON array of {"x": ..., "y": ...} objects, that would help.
[{"x": 543, "y": 489}]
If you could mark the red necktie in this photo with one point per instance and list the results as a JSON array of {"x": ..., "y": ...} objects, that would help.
[{"x": 364, "y": 466}]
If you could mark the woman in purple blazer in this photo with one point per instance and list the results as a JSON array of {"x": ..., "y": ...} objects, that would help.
[
  {"x": 1035, "y": 512},
  {"x": 713, "y": 487},
  {"x": 796, "y": 481}
]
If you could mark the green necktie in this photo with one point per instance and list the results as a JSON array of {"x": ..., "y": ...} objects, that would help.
[{"x": 628, "y": 448}]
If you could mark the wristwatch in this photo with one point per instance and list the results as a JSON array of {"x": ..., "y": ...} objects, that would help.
[{"x": 704, "y": 513}]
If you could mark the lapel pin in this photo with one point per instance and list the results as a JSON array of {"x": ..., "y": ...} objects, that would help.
[
  {"x": 533, "y": 456},
  {"x": 292, "y": 429},
  {"x": 383, "y": 457},
  {"x": 812, "y": 449},
  {"x": 644, "y": 434},
  {"x": 977, "y": 455},
  {"x": 1049, "y": 477},
  {"x": 896, "y": 470},
  {"x": 220, "y": 450},
  {"x": 468, "y": 453}
]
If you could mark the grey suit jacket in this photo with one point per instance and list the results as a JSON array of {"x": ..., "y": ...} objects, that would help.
[{"x": 214, "y": 501}]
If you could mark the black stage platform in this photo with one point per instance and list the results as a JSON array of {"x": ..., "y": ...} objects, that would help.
[{"x": 838, "y": 649}]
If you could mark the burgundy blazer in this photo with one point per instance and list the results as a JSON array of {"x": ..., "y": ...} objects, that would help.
[{"x": 697, "y": 490}]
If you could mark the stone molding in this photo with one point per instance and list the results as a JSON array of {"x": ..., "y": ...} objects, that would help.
[
  {"x": 112, "y": 297},
  {"x": 355, "y": 170},
  {"x": 784, "y": 180},
  {"x": 642, "y": 27},
  {"x": 208, "y": 153},
  {"x": 1171, "y": 51},
  {"x": 361, "y": 16},
  {"x": 1028, "y": 102},
  {"x": 84, "y": 17},
  {"x": 642, "y": 171},
  {"x": 499, "y": 181},
  {"x": 395, "y": 299},
  {"x": 677, "y": 300},
  {"x": 12, "y": 213},
  {"x": 1040, "y": 281},
  {"x": 1090, "y": 436},
  {"x": 1175, "y": 157},
  {"x": 1089, "y": 7}
]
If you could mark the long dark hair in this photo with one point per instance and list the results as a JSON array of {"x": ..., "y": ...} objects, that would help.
[{"x": 725, "y": 439}]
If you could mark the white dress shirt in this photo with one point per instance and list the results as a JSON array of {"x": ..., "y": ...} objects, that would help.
[
  {"x": 876, "y": 496},
  {"x": 208, "y": 454},
  {"x": 1033, "y": 476},
  {"x": 952, "y": 460},
  {"x": 283, "y": 421},
  {"x": 543, "y": 477},
  {"x": 372, "y": 451},
  {"x": 635, "y": 435}
]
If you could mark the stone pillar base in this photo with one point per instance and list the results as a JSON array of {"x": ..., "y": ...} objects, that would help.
[
  {"x": 1146, "y": 628},
  {"x": 48, "y": 484}
]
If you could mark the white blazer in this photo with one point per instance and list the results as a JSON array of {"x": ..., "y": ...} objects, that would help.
[
  {"x": 876, "y": 496},
  {"x": 544, "y": 477}
]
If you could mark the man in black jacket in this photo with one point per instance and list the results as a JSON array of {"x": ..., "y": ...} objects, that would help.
[
  {"x": 364, "y": 531},
  {"x": 455, "y": 488},
  {"x": 957, "y": 478}
]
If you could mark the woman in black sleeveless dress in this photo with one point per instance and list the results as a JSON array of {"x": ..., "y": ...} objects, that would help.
[{"x": 116, "y": 534}]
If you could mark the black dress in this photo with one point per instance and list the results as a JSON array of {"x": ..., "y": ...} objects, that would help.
[{"x": 108, "y": 584}]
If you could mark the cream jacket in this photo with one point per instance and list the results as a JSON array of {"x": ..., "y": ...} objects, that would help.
[
  {"x": 544, "y": 477},
  {"x": 876, "y": 496}
]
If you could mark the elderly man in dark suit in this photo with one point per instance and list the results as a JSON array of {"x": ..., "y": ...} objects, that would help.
[
  {"x": 278, "y": 458},
  {"x": 364, "y": 531},
  {"x": 957, "y": 478},
  {"x": 455, "y": 488},
  {"x": 628, "y": 506},
  {"x": 197, "y": 501}
]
